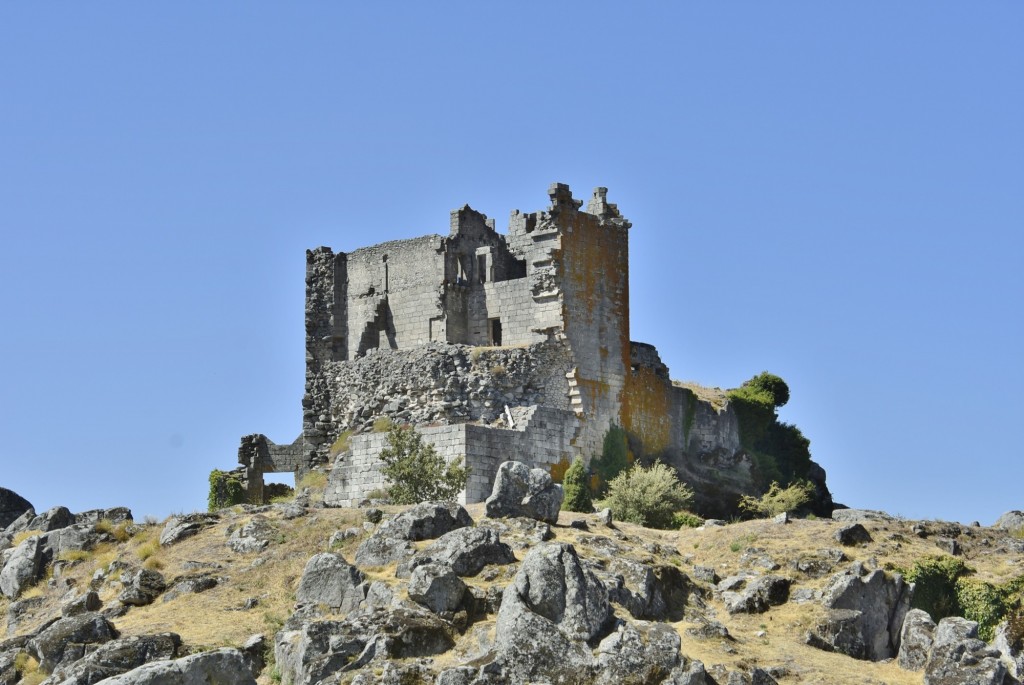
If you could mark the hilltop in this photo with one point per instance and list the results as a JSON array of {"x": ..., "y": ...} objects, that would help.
[{"x": 295, "y": 592}]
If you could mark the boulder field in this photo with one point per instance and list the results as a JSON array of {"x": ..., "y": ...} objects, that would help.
[{"x": 507, "y": 591}]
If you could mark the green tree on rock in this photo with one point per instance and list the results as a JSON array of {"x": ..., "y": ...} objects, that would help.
[
  {"x": 416, "y": 472},
  {"x": 576, "y": 484}
]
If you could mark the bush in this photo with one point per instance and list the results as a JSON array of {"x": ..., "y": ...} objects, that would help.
[
  {"x": 614, "y": 458},
  {"x": 778, "y": 499},
  {"x": 416, "y": 472},
  {"x": 225, "y": 490},
  {"x": 648, "y": 497},
  {"x": 982, "y": 602},
  {"x": 936, "y": 579},
  {"x": 686, "y": 519},
  {"x": 576, "y": 485}
]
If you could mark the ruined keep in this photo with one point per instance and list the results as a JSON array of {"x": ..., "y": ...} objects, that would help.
[{"x": 494, "y": 346}]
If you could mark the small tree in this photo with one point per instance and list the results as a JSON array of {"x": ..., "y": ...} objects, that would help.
[
  {"x": 649, "y": 497},
  {"x": 778, "y": 499},
  {"x": 225, "y": 490},
  {"x": 576, "y": 485},
  {"x": 416, "y": 472},
  {"x": 614, "y": 458}
]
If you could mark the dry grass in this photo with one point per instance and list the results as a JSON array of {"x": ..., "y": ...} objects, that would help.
[{"x": 24, "y": 535}]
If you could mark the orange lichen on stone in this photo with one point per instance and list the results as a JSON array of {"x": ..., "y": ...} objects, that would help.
[
  {"x": 646, "y": 410},
  {"x": 558, "y": 469}
]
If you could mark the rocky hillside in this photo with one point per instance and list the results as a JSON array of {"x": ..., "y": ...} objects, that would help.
[{"x": 513, "y": 591}]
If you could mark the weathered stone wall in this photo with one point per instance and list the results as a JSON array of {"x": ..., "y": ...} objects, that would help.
[{"x": 542, "y": 436}]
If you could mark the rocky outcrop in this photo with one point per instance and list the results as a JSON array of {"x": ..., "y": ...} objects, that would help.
[
  {"x": 522, "y": 491},
  {"x": 251, "y": 537},
  {"x": 865, "y": 613},
  {"x": 916, "y": 638},
  {"x": 1011, "y": 520},
  {"x": 178, "y": 528},
  {"x": 331, "y": 581},
  {"x": 958, "y": 656},
  {"x": 754, "y": 595},
  {"x": 12, "y": 505},
  {"x": 389, "y": 543},
  {"x": 66, "y": 640},
  {"x": 226, "y": 666},
  {"x": 23, "y": 567},
  {"x": 651, "y": 592},
  {"x": 553, "y": 607},
  {"x": 117, "y": 657},
  {"x": 468, "y": 550},
  {"x": 141, "y": 586},
  {"x": 436, "y": 587}
]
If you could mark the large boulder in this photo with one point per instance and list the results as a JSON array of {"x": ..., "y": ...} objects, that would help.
[
  {"x": 1010, "y": 644},
  {"x": 178, "y": 528},
  {"x": 23, "y": 567},
  {"x": 318, "y": 649},
  {"x": 331, "y": 581},
  {"x": 12, "y": 505},
  {"x": 54, "y": 518},
  {"x": 522, "y": 491},
  {"x": 652, "y": 593},
  {"x": 436, "y": 587},
  {"x": 389, "y": 543},
  {"x": 755, "y": 595},
  {"x": 68, "y": 639},
  {"x": 1011, "y": 520},
  {"x": 865, "y": 613},
  {"x": 916, "y": 639},
  {"x": 642, "y": 652},
  {"x": 549, "y": 612},
  {"x": 141, "y": 586},
  {"x": 113, "y": 514},
  {"x": 468, "y": 550},
  {"x": 252, "y": 537},
  {"x": 959, "y": 657},
  {"x": 117, "y": 657},
  {"x": 225, "y": 666}
]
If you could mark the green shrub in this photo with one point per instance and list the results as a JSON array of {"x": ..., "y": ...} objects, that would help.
[
  {"x": 686, "y": 519},
  {"x": 982, "y": 602},
  {"x": 382, "y": 425},
  {"x": 614, "y": 458},
  {"x": 778, "y": 499},
  {"x": 648, "y": 497},
  {"x": 936, "y": 591},
  {"x": 416, "y": 472},
  {"x": 225, "y": 490},
  {"x": 576, "y": 484}
]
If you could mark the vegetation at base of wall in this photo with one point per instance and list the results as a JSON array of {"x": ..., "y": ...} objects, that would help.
[
  {"x": 778, "y": 499},
  {"x": 576, "y": 486},
  {"x": 225, "y": 490},
  {"x": 416, "y": 472},
  {"x": 614, "y": 459},
  {"x": 780, "y": 451},
  {"x": 647, "y": 496},
  {"x": 382, "y": 425},
  {"x": 340, "y": 445}
]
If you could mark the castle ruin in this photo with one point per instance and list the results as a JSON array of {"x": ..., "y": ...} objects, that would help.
[{"x": 494, "y": 346}]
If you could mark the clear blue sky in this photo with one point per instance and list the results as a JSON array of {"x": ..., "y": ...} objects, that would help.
[{"x": 833, "y": 192}]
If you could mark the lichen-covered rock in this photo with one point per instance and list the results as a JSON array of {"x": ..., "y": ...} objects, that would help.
[
  {"x": 916, "y": 639},
  {"x": 865, "y": 613},
  {"x": 189, "y": 585},
  {"x": 252, "y": 537},
  {"x": 692, "y": 673},
  {"x": 755, "y": 596},
  {"x": 318, "y": 649},
  {"x": 225, "y": 666},
  {"x": 426, "y": 521},
  {"x": 54, "y": 518},
  {"x": 1011, "y": 520},
  {"x": 468, "y": 550},
  {"x": 653, "y": 593},
  {"x": 959, "y": 657},
  {"x": 522, "y": 491},
  {"x": 331, "y": 581},
  {"x": 548, "y": 613},
  {"x": 23, "y": 567},
  {"x": 113, "y": 514},
  {"x": 178, "y": 528},
  {"x": 82, "y": 604},
  {"x": 141, "y": 586},
  {"x": 12, "y": 506},
  {"x": 642, "y": 652},
  {"x": 436, "y": 587},
  {"x": 1011, "y": 647},
  {"x": 65, "y": 641},
  {"x": 389, "y": 543},
  {"x": 117, "y": 657},
  {"x": 853, "y": 534}
]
